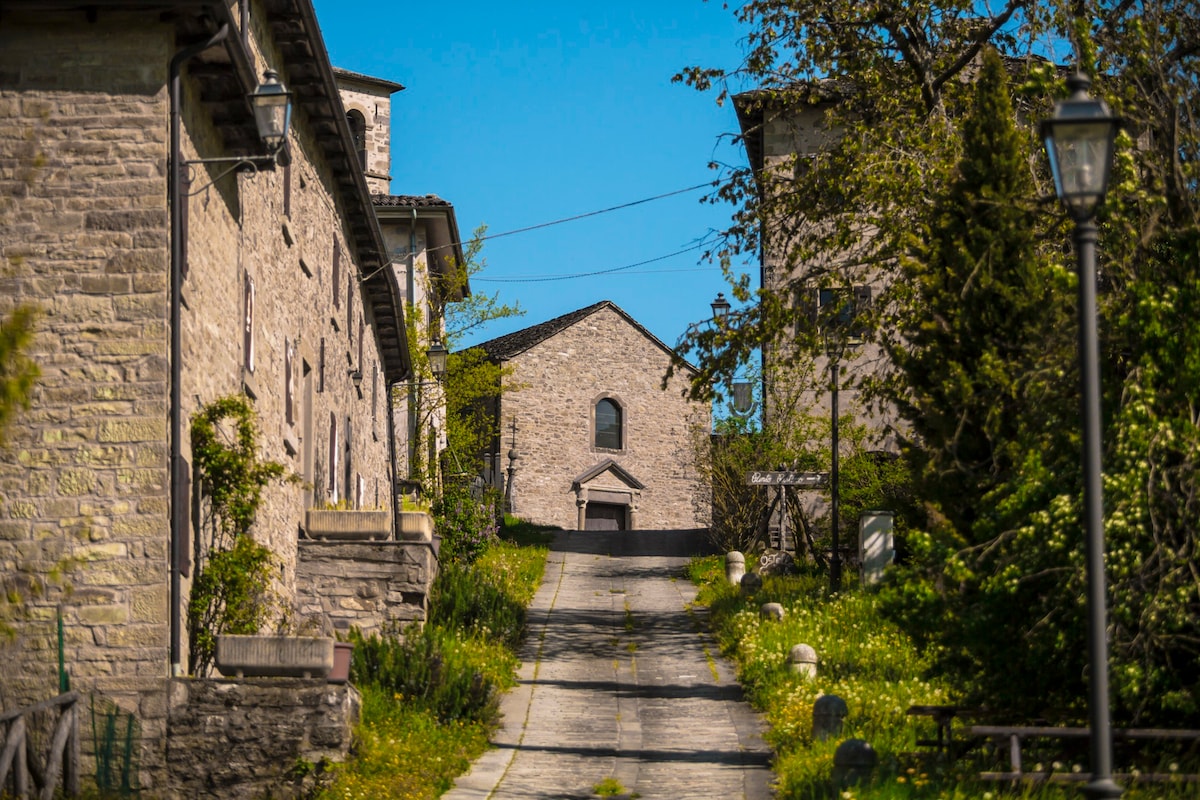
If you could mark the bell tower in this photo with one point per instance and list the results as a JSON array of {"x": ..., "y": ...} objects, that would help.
[{"x": 368, "y": 104}]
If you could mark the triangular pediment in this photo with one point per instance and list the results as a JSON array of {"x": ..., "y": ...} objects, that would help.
[{"x": 608, "y": 474}]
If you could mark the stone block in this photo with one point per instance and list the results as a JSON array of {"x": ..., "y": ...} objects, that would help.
[
  {"x": 103, "y": 615},
  {"x": 132, "y": 430}
]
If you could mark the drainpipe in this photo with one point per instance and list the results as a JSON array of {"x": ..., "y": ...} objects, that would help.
[
  {"x": 180, "y": 479},
  {"x": 410, "y": 288}
]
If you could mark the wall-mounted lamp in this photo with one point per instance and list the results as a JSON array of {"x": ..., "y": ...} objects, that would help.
[
  {"x": 356, "y": 379},
  {"x": 272, "y": 104},
  {"x": 437, "y": 354}
]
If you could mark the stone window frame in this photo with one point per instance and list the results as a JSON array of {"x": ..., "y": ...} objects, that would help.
[{"x": 622, "y": 422}]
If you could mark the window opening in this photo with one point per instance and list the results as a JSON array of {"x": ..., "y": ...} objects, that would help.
[{"x": 608, "y": 424}]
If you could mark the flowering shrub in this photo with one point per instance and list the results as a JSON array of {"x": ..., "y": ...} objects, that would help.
[
  {"x": 871, "y": 664},
  {"x": 467, "y": 525}
]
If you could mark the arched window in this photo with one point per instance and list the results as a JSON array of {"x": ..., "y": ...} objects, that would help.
[
  {"x": 608, "y": 424},
  {"x": 358, "y": 132}
]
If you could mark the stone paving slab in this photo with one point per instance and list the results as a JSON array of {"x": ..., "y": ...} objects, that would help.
[{"x": 618, "y": 680}]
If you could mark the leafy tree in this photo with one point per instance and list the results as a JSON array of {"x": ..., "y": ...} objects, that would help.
[
  {"x": 799, "y": 441},
  {"x": 892, "y": 84},
  {"x": 471, "y": 380},
  {"x": 983, "y": 378}
]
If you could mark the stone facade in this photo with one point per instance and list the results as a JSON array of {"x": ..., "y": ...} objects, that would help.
[
  {"x": 278, "y": 303},
  {"x": 563, "y": 369}
]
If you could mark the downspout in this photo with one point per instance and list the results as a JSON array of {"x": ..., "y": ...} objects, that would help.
[
  {"x": 410, "y": 289},
  {"x": 180, "y": 478}
]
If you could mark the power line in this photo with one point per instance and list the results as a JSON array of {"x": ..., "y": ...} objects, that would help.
[
  {"x": 594, "y": 213},
  {"x": 560, "y": 222},
  {"x": 478, "y": 279}
]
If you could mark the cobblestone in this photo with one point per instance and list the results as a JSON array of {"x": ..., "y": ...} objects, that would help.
[{"x": 618, "y": 680}]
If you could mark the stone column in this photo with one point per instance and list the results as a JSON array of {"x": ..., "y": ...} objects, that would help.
[{"x": 581, "y": 500}]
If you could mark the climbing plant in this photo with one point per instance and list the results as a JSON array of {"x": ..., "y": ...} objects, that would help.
[{"x": 232, "y": 589}]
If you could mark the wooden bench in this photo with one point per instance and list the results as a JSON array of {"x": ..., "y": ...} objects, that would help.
[{"x": 1014, "y": 735}]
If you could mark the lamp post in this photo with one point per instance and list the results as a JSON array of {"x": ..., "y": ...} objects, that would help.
[
  {"x": 836, "y": 312},
  {"x": 1079, "y": 141},
  {"x": 835, "y": 560}
]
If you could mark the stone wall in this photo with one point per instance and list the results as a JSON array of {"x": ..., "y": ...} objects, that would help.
[
  {"x": 256, "y": 737},
  {"x": 602, "y": 355},
  {"x": 84, "y": 479},
  {"x": 371, "y": 586}
]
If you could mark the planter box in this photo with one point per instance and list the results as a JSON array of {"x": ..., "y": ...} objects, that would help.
[
  {"x": 416, "y": 526},
  {"x": 274, "y": 656},
  {"x": 348, "y": 525}
]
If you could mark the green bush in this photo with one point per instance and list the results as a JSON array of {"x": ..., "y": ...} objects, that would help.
[
  {"x": 455, "y": 666},
  {"x": 454, "y": 678},
  {"x": 466, "y": 524}
]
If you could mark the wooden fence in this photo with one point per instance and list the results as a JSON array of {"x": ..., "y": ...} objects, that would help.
[{"x": 21, "y": 769}]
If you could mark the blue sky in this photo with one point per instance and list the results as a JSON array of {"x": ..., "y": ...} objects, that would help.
[{"x": 524, "y": 113}]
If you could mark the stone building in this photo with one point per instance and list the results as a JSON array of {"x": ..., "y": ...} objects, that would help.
[
  {"x": 286, "y": 294},
  {"x": 599, "y": 443},
  {"x": 782, "y": 138},
  {"x": 425, "y": 251}
]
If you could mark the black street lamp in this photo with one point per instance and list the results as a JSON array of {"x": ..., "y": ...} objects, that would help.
[
  {"x": 720, "y": 308},
  {"x": 437, "y": 354},
  {"x": 1079, "y": 140}
]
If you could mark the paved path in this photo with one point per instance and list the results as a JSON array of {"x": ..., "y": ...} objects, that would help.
[{"x": 618, "y": 681}]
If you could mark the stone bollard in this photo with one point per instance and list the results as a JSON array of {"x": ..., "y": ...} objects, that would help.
[
  {"x": 802, "y": 660},
  {"x": 735, "y": 567},
  {"x": 751, "y": 582},
  {"x": 771, "y": 611},
  {"x": 853, "y": 763},
  {"x": 828, "y": 713}
]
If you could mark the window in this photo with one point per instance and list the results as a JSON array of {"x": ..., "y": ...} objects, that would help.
[
  {"x": 608, "y": 424},
  {"x": 248, "y": 331},
  {"x": 334, "y": 451},
  {"x": 289, "y": 383},
  {"x": 287, "y": 190},
  {"x": 358, "y": 132},
  {"x": 834, "y": 310},
  {"x": 337, "y": 275},
  {"x": 321, "y": 368}
]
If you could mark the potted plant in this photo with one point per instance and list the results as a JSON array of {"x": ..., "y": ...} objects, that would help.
[{"x": 232, "y": 591}]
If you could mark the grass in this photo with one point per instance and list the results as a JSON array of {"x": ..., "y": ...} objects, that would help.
[
  {"x": 873, "y": 666},
  {"x": 430, "y": 697}
]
